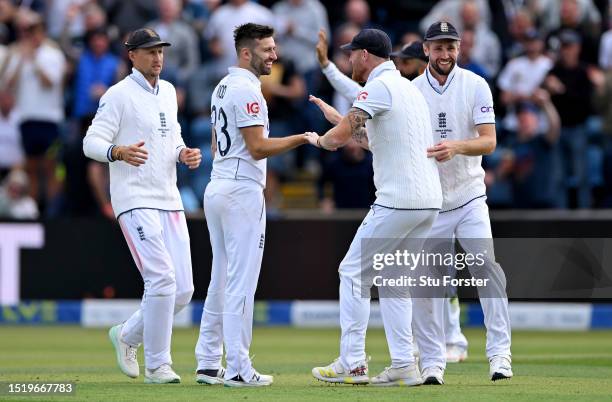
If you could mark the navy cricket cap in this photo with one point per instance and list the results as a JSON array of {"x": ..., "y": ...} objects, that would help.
[
  {"x": 374, "y": 41},
  {"x": 144, "y": 38},
  {"x": 411, "y": 51},
  {"x": 441, "y": 30}
]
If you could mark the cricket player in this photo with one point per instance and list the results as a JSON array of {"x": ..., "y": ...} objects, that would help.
[
  {"x": 235, "y": 210},
  {"x": 408, "y": 195},
  {"x": 461, "y": 107},
  {"x": 464, "y": 131},
  {"x": 136, "y": 131},
  {"x": 411, "y": 61}
]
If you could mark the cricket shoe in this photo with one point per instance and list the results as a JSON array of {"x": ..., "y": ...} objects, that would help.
[
  {"x": 126, "y": 353},
  {"x": 162, "y": 375},
  {"x": 257, "y": 380},
  {"x": 500, "y": 368},
  {"x": 398, "y": 377},
  {"x": 210, "y": 376},
  {"x": 433, "y": 375},
  {"x": 455, "y": 354},
  {"x": 336, "y": 373}
]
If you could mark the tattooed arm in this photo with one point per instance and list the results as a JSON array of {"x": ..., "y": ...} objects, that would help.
[{"x": 351, "y": 126}]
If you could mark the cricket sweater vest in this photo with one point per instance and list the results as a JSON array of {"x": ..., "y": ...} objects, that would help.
[{"x": 126, "y": 115}]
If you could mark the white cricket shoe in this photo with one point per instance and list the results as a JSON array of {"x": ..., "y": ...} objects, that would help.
[
  {"x": 126, "y": 354},
  {"x": 336, "y": 373},
  {"x": 394, "y": 377},
  {"x": 258, "y": 380},
  {"x": 210, "y": 376},
  {"x": 433, "y": 375},
  {"x": 455, "y": 354},
  {"x": 500, "y": 368},
  {"x": 162, "y": 375}
]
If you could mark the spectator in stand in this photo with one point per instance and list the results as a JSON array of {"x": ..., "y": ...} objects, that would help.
[
  {"x": 551, "y": 14},
  {"x": 87, "y": 181},
  {"x": 129, "y": 15},
  {"x": 520, "y": 26},
  {"x": 486, "y": 49},
  {"x": 11, "y": 152},
  {"x": 571, "y": 88},
  {"x": 571, "y": 20},
  {"x": 519, "y": 79},
  {"x": 537, "y": 175},
  {"x": 72, "y": 43},
  {"x": 358, "y": 13},
  {"x": 466, "y": 56},
  {"x": 450, "y": 10},
  {"x": 350, "y": 174},
  {"x": 230, "y": 15},
  {"x": 15, "y": 203},
  {"x": 201, "y": 86},
  {"x": 35, "y": 70},
  {"x": 183, "y": 56}
]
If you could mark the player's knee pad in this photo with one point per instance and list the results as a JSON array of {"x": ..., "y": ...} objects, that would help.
[{"x": 214, "y": 302}]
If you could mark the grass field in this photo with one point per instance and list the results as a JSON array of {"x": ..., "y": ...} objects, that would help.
[{"x": 554, "y": 366}]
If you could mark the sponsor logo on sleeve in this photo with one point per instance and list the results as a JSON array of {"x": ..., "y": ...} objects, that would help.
[
  {"x": 252, "y": 108},
  {"x": 363, "y": 95},
  {"x": 486, "y": 109}
]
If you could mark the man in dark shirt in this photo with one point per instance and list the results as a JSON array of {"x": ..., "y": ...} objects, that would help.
[
  {"x": 537, "y": 176},
  {"x": 571, "y": 92}
]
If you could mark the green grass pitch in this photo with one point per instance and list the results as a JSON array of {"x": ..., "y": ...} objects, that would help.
[{"x": 555, "y": 366}]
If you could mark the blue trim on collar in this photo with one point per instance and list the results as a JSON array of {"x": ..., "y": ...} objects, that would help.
[
  {"x": 142, "y": 81},
  {"x": 452, "y": 75}
]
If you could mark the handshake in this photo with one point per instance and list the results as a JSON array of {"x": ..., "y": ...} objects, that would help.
[{"x": 331, "y": 114}]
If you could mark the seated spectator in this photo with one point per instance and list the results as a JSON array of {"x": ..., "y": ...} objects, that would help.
[
  {"x": 350, "y": 173},
  {"x": 537, "y": 179},
  {"x": 15, "y": 203},
  {"x": 520, "y": 25}
]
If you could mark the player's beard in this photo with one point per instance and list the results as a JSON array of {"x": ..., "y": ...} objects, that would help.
[
  {"x": 258, "y": 64},
  {"x": 440, "y": 71}
]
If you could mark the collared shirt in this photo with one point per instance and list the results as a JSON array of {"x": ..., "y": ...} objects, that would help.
[
  {"x": 244, "y": 73},
  {"x": 434, "y": 82},
  {"x": 144, "y": 83},
  {"x": 375, "y": 98}
]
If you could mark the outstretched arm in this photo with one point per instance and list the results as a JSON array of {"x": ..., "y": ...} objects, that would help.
[
  {"x": 340, "y": 82},
  {"x": 351, "y": 126},
  {"x": 260, "y": 147}
]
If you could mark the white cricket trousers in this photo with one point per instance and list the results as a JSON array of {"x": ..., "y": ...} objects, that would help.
[
  {"x": 236, "y": 219},
  {"x": 159, "y": 243},
  {"x": 395, "y": 226},
  {"x": 471, "y": 226}
]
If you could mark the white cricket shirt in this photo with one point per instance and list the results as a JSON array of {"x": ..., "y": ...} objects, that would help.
[
  {"x": 456, "y": 108},
  {"x": 131, "y": 111},
  {"x": 237, "y": 102},
  {"x": 399, "y": 133}
]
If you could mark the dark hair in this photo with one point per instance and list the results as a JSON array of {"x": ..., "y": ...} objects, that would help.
[{"x": 245, "y": 35}]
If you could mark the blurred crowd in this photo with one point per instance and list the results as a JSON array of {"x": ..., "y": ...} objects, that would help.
[{"x": 548, "y": 62}]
